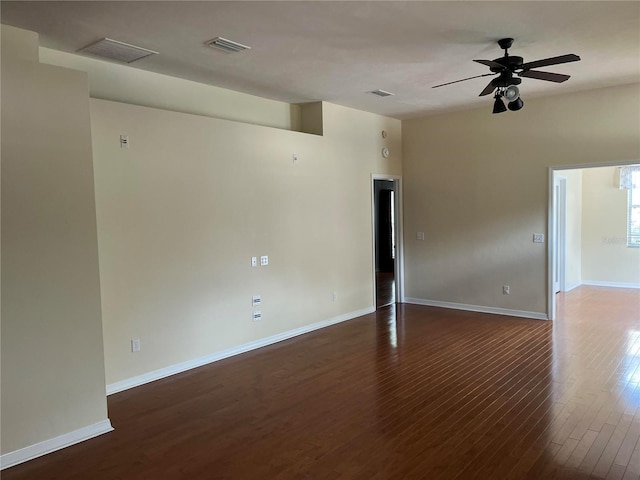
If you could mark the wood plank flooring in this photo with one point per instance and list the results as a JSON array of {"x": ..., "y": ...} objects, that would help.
[
  {"x": 385, "y": 289},
  {"x": 409, "y": 392}
]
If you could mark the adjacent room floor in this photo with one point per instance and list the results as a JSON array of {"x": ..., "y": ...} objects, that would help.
[
  {"x": 385, "y": 289},
  {"x": 407, "y": 392}
]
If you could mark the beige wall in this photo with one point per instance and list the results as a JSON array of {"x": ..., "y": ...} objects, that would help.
[
  {"x": 182, "y": 211},
  {"x": 123, "y": 83},
  {"x": 573, "y": 268},
  {"x": 52, "y": 357},
  {"x": 605, "y": 255},
  {"x": 477, "y": 185}
]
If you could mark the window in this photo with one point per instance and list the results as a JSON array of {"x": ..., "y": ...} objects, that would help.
[{"x": 630, "y": 180}]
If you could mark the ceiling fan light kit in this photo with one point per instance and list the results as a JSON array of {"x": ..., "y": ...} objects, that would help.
[
  {"x": 516, "y": 105},
  {"x": 505, "y": 82},
  {"x": 498, "y": 104},
  {"x": 510, "y": 94}
]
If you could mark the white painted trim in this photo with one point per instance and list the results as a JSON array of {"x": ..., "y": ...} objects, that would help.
[
  {"x": 230, "y": 352},
  {"x": 561, "y": 232},
  {"x": 478, "y": 308},
  {"x": 572, "y": 286},
  {"x": 611, "y": 284},
  {"x": 65, "y": 440},
  {"x": 551, "y": 241}
]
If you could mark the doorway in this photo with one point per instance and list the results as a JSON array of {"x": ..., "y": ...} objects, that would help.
[
  {"x": 589, "y": 225},
  {"x": 387, "y": 261}
]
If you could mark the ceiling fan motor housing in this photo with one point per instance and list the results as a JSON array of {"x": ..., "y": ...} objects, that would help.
[
  {"x": 506, "y": 79},
  {"x": 511, "y": 63}
]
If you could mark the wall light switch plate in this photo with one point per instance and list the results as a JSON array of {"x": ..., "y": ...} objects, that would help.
[
  {"x": 264, "y": 260},
  {"x": 256, "y": 300},
  {"x": 538, "y": 238},
  {"x": 295, "y": 158},
  {"x": 135, "y": 345},
  {"x": 420, "y": 236},
  {"x": 124, "y": 141},
  {"x": 257, "y": 315},
  {"x": 254, "y": 261}
]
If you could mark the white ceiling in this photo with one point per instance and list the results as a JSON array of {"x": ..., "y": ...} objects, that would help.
[{"x": 337, "y": 51}]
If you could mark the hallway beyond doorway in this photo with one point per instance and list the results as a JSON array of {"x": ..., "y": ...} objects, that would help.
[{"x": 385, "y": 289}]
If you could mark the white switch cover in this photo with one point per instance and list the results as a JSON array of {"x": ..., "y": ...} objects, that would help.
[
  {"x": 257, "y": 315},
  {"x": 264, "y": 260},
  {"x": 124, "y": 141},
  {"x": 295, "y": 158},
  {"x": 256, "y": 300},
  {"x": 420, "y": 236},
  {"x": 135, "y": 345},
  {"x": 254, "y": 261},
  {"x": 506, "y": 290},
  {"x": 538, "y": 238}
]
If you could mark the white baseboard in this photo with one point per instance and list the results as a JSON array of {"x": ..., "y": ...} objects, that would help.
[
  {"x": 612, "y": 284},
  {"x": 478, "y": 308},
  {"x": 230, "y": 352},
  {"x": 66, "y": 440},
  {"x": 568, "y": 288}
]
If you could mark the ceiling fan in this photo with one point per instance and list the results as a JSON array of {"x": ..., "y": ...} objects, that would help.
[{"x": 509, "y": 65}]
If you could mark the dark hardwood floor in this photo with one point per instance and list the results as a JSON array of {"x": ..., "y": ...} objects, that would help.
[
  {"x": 385, "y": 289},
  {"x": 409, "y": 392}
]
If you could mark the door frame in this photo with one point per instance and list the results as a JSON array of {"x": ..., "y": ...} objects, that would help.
[
  {"x": 398, "y": 229},
  {"x": 560, "y": 222}
]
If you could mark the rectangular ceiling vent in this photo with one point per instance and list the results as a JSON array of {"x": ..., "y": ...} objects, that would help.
[
  {"x": 381, "y": 93},
  {"x": 226, "y": 45},
  {"x": 115, "y": 50}
]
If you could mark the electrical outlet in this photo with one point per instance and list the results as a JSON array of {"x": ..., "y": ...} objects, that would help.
[
  {"x": 505, "y": 290},
  {"x": 135, "y": 345},
  {"x": 420, "y": 235},
  {"x": 257, "y": 315},
  {"x": 264, "y": 260},
  {"x": 256, "y": 301}
]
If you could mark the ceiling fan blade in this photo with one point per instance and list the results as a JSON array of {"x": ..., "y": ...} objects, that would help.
[
  {"x": 488, "y": 89},
  {"x": 464, "y": 80},
  {"x": 548, "y": 76},
  {"x": 550, "y": 61},
  {"x": 490, "y": 63}
]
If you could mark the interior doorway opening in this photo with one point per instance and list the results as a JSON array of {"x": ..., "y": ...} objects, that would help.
[
  {"x": 387, "y": 236},
  {"x": 591, "y": 227}
]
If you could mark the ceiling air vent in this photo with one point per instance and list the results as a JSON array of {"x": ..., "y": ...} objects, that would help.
[
  {"x": 381, "y": 93},
  {"x": 226, "y": 45},
  {"x": 123, "y": 52}
]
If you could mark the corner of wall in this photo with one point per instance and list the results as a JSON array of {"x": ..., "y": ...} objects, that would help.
[
  {"x": 20, "y": 43},
  {"x": 50, "y": 273},
  {"x": 311, "y": 118}
]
